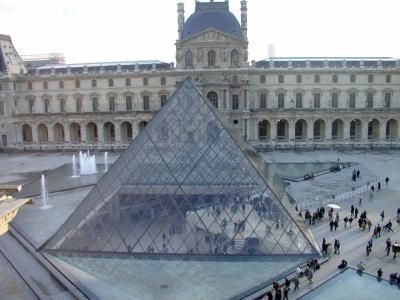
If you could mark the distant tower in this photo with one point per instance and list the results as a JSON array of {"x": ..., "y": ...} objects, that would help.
[
  {"x": 10, "y": 61},
  {"x": 243, "y": 10},
  {"x": 181, "y": 18}
]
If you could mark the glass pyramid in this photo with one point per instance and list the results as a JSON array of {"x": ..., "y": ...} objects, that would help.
[{"x": 186, "y": 185}]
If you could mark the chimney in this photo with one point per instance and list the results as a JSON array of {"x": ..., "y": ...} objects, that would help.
[
  {"x": 243, "y": 10},
  {"x": 181, "y": 18},
  {"x": 271, "y": 50}
]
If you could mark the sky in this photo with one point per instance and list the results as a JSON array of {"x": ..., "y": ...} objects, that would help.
[{"x": 125, "y": 30}]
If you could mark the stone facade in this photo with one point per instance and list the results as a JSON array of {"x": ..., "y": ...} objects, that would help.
[{"x": 275, "y": 103}]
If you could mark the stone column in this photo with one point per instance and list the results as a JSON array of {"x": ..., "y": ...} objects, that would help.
[
  {"x": 291, "y": 130},
  {"x": 273, "y": 129},
  {"x": 310, "y": 130},
  {"x": 34, "y": 133},
  {"x": 83, "y": 133},
  {"x": 346, "y": 129},
  {"x": 50, "y": 132},
  {"x": 100, "y": 132},
  {"x": 364, "y": 130},
  {"x": 328, "y": 129},
  {"x": 382, "y": 130},
  {"x": 67, "y": 134},
  {"x": 117, "y": 132}
]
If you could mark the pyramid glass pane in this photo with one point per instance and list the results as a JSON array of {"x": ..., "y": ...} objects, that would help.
[{"x": 184, "y": 186}]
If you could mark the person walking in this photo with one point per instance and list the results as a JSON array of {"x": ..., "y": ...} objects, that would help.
[
  {"x": 338, "y": 247},
  {"x": 356, "y": 212},
  {"x": 346, "y": 219},
  {"x": 388, "y": 246},
  {"x": 379, "y": 186},
  {"x": 352, "y": 210},
  {"x": 350, "y": 221},
  {"x": 380, "y": 273},
  {"x": 387, "y": 180},
  {"x": 382, "y": 215},
  {"x": 310, "y": 276},
  {"x": 285, "y": 293},
  {"x": 296, "y": 283},
  {"x": 360, "y": 201}
]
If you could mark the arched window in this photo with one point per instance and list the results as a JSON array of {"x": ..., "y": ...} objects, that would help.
[
  {"x": 213, "y": 98},
  {"x": 211, "y": 57},
  {"x": 188, "y": 58},
  {"x": 235, "y": 57}
]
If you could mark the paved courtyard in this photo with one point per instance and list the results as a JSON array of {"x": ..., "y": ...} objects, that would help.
[{"x": 24, "y": 167}]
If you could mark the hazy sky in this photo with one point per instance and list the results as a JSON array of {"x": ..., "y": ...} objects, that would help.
[{"x": 118, "y": 30}]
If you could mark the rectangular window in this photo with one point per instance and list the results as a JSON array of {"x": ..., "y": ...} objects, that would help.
[
  {"x": 388, "y": 98},
  {"x": 145, "y": 81},
  {"x": 61, "y": 84},
  {"x": 281, "y": 100},
  {"x": 77, "y": 84},
  {"x": 128, "y": 101},
  {"x": 111, "y": 103},
  {"x": 1, "y": 87},
  {"x": 46, "y": 105},
  {"x": 2, "y": 112},
  {"x": 298, "y": 79},
  {"x": 30, "y": 86},
  {"x": 95, "y": 104},
  {"x": 235, "y": 102},
  {"x": 353, "y": 78},
  {"x": 31, "y": 105},
  {"x": 335, "y": 97},
  {"x": 316, "y": 78},
  {"x": 263, "y": 100},
  {"x": 45, "y": 85},
  {"x": 62, "y": 105},
  {"x": 163, "y": 81},
  {"x": 127, "y": 82},
  {"x": 370, "y": 100},
  {"x": 146, "y": 102},
  {"x": 163, "y": 100},
  {"x": 352, "y": 100},
  {"x": 280, "y": 79},
  {"x": 94, "y": 83},
  {"x": 110, "y": 82},
  {"x": 370, "y": 78},
  {"x": 299, "y": 100},
  {"x": 317, "y": 100},
  {"x": 78, "y": 105},
  {"x": 388, "y": 78}
]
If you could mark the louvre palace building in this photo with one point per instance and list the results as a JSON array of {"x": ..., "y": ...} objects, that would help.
[{"x": 276, "y": 103}]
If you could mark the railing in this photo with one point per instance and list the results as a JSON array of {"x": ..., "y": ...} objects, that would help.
[{"x": 344, "y": 195}]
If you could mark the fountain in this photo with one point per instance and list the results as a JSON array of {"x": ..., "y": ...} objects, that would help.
[
  {"x": 44, "y": 193},
  {"x": 105, "y": 162},
  {"x": 74, "y": 167},
  {"x": 87, "y": 163}
]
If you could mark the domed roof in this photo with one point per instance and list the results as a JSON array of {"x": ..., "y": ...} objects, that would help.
[{"x": 214, "y": 15}]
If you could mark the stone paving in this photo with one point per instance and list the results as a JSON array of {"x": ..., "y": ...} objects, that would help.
[{"x": 18, "y": 167}]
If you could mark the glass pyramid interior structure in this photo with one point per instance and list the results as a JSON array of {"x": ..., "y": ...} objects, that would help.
[{"x": 186, "y": 185}]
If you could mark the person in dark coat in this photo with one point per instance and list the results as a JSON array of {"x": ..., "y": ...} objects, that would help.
[{"x": 387, "y": 180}]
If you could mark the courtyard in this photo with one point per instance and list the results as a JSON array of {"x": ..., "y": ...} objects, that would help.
[{"x": 36, "y": 226}]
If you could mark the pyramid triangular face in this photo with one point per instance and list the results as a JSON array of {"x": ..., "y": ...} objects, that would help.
[{"x": 184, "y": 186}]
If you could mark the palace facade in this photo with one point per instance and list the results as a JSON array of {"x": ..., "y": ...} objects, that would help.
[{"x": 276, "y": 103}]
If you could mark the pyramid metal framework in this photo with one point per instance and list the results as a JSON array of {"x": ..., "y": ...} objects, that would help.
[{"x": 187, "y": 186}]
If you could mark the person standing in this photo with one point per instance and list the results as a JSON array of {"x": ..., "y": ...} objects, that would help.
[
  {"x": 285, "y": 293},
  {"x": 382, "y": 215},
  {"x": 352, "y": 210},
  {"x": 356, "y": 212},
  {"x": 388, "y": 246},
  {"x": 387, "y": 180},
  {"x": 345, "y": 222},
  {"x": 379, "y": 185},
  {"x": 360, "y": 202},
  {"x": 338, "y": 247}
]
